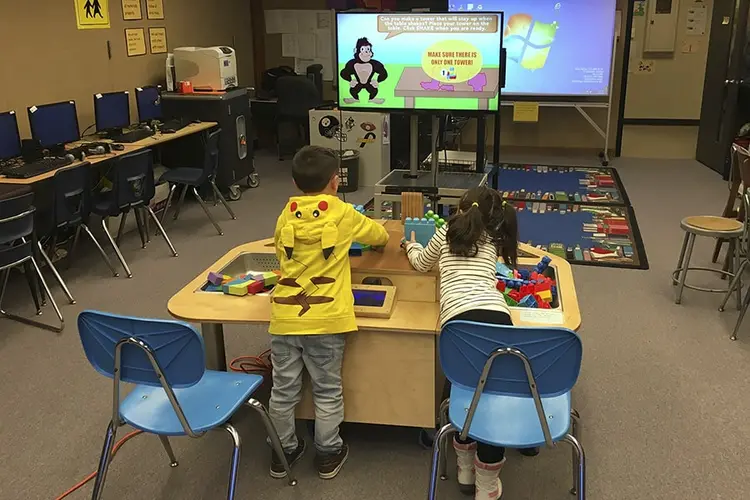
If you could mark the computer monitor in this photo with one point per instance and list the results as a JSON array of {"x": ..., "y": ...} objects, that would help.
[
  {"x": 10, "y": 139},
  {"x": 54, "y": 125},
  {"x": 112, "y": 111},
  {"x": 148, "y": 100}
]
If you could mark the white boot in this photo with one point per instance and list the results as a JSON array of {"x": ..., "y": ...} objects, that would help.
[
  {"x": 465, "y": 455},
  {"x": 489, "y": 486}
]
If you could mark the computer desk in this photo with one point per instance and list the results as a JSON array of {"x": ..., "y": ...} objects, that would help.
[
  {"x": 148, "y": 142},
  {"x": 391, "y": 372}
]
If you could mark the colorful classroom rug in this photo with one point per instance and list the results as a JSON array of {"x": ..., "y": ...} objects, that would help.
[
  {"x": 584, "y": 234},
  {"x": 593, "y": 185}
]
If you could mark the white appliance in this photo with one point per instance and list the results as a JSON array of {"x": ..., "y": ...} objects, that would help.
[
  {"x": 213, "y": 68},
  {"x": 368, "y": 133}
]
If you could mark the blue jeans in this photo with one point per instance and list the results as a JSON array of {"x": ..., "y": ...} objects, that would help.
[{"x": 322, "y": 355}]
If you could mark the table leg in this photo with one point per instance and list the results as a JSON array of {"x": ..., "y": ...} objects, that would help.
[
  {"x": 409, "y": 102},
  {"x": 213, "y": 339},
  {"x": 377, "y": 207},
  {"x": 483, "y": 104}
]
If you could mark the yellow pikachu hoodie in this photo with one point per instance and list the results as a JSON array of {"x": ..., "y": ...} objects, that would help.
[{"x": 314, "y": 294}]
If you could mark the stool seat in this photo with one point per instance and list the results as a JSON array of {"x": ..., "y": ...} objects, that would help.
[{"x": 710, "y": 225}]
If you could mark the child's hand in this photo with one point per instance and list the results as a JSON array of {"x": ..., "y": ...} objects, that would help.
[{"x": 413, "y": 239}]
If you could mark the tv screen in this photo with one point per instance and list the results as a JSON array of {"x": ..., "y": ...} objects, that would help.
[
  {"x": 416, "y": 61},
  {"x": 555, "y": 48}
]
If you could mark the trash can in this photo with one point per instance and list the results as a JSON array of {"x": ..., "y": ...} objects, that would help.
[{"x": 348, "y": 171}]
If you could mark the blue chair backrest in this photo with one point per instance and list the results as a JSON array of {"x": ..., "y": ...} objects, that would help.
[
  {"x": 72, "y": 189},
  {"x": 211, "y": 153},
  {"x": 177, "y": 347},
  {"x": 134, "y": 178},
  {"x": 16, "y": 222},
  {"x": 555, "y": 356}
]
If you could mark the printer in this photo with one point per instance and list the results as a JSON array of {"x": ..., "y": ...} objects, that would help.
[{"x": 207, "y": 68}]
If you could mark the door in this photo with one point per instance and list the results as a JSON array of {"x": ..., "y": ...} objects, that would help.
[{"x": 724, "y": 72}]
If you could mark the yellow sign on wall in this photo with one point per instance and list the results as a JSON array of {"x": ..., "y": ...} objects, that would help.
[
  {"x": 155, "y": 9},
  {"x": 158, "y": 39},
  {"x": 92, "y": 14},
  {"x": 526, "y": 112},
  {"x": 131, "y": 10},
  {"x": 135, "y": 41}
]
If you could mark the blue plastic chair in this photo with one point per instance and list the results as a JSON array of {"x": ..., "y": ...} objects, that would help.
[
  {"x": 175, "y": 395},
  {"x": 522, "y": 401}
]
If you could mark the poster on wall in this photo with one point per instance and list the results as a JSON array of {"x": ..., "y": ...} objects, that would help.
[
  {"x": 135, "y": 41},
  {"x": 92, "y": 14},
  {"x": 158, "y": 40},
  {"x": 131, "y": 10},
  {"x": 155, "y": 9}
]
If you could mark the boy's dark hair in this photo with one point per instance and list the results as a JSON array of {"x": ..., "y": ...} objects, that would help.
[
  {"x": 484, "y": 217},
  {"x": 313, "y": 167}
]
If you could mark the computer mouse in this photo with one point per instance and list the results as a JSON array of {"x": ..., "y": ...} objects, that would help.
[
  {"x": 99, "y": 150},
  {"x": 70, "y": 157},
  {"x": 118, "y": 147}
]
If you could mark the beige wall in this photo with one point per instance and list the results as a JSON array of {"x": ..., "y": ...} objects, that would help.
[
  {"x": 45, "y": 58},
  {"x": 675, "y": 88}
]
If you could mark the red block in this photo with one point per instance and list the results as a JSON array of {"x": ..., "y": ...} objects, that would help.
[
  {"x": 542, "y": 303},
  {"x": 501, "y": 285},
  {"x": 541, "y": 287},
  {"x": 255, "y": 287},
  {"x": 515, "y": 295}
]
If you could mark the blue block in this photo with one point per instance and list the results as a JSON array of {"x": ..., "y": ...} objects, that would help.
[
  {"x": 553, "y": 289},
  {"x": 355, "y": 250},
  {"x": 503, "y": 271},
  {"x": 525, "y": 274},
  {"x": 543, "y": 264},
  {"x": 423, "y": 229},
  {"x": 528, "y": 301}
]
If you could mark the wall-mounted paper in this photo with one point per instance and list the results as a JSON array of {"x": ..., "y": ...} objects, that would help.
[
  {"x": 323, "y": 46},
  {"x": 307, "y": 21},
  {"x": 306, "y": 46},
  {"x": 289, "y": 45}
]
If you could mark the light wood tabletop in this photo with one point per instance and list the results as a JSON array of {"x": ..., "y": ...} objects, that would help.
[
  {"x": 420, "y": 315},
  {"x": 148, "y": 142}
]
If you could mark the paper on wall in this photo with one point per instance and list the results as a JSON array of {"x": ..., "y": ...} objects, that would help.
[
  {"x": 697, "y": 19},
  {"x": 323, "y": 46},
  {"x": 289, "y": 45},
  {"x": 306, "y": 46},
  {"x": 307, "y": 21},
  {"x": 274, "y": 21},
  {"x": 323, "y": 18}
]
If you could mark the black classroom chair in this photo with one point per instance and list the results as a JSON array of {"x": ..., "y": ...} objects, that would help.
[
  {"x": 193, "y": 178},
  {"x": 132, "y": 189},
  {"x": 18, "y": 245}
]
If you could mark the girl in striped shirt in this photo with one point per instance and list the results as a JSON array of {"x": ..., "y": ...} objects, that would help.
[{"x": 466, "y": 250}]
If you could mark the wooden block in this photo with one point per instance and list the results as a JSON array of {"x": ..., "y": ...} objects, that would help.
[
  {"x": 412, "y": 205},
  {"x": 270, "y": 279},
  {"x": 254, "y": 287},
  {"x": 237, "y": 289}
]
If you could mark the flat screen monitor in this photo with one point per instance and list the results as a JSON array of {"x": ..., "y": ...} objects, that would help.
[
  {"x": 555, "y": 48},
  {"x": 419, "y": 61},
  {"x": 148, "y": 101},
  {"x": 54, "y": 124},
  {"x": 10, "y": 139},
  {"x": 112, "y": 111}
]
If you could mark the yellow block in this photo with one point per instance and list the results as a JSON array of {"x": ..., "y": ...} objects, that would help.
[{"x": 545, "y": 295}]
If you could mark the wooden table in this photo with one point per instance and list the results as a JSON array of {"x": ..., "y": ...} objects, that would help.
[
  {"x": 410, "y": 87},
  {"x": 132, "y": 147},
  {"x": 391, "y": 371}
]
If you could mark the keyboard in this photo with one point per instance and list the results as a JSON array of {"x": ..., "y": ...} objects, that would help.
[
  {"x": 172, "y": 126},
  {"x": 133, "y": 135},
  {"x": 28, "y": 170}
]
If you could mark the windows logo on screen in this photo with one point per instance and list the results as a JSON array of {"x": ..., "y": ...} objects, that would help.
[{"x": 528, "y": 42}]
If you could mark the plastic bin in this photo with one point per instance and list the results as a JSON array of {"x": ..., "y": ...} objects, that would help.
[{"x": 348, "y": 171}]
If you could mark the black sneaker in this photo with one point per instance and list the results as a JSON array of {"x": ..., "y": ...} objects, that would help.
[
  {"x": 529, "y": 452},
  {"x": 277, "y": 468},
  {"x": 330, "y": 464}
]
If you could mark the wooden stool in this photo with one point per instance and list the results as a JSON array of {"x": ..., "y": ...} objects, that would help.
[{"x": 713, "y": 227}]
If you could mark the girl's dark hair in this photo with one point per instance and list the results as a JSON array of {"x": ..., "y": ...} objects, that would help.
[{"x": 483, "y": 217}]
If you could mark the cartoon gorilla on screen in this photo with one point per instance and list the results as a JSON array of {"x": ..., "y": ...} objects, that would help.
[{"x": 364, "y": 68}]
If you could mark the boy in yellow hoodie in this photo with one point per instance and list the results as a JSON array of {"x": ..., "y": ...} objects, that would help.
[{"x": 312, "y": 306}]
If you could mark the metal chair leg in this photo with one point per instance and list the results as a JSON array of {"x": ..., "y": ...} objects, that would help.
[
  {"x": 101, "y": 250},
  {"x": 235, "y": 464},
  {"x": 59, "y": 279},
  {"x": 444, "y": 406},
  {"x": 441, "y": 436},
  {"x": 273, "y": 435},
  {"x": 178, "y": 208},
  {"x": 168, "y": 448},
  {"x": 737, "y": 274},
  {"x": 741, "y": 316},
  {"x": 147, "y": 225},
  {"x": 733, "y": 284},
  {"x": 161, "y": 230},
  {"x": 575, "y": 419},
  {"x": 121, "y": 228},
  {"x": 208, "y": 213},
  {"x": 28, "y": 321},
  {"x": 581, "y": 465},
  {"x": 685, "y": 265},
  {"x": 33, "y": 287},
  {"x": 104, "y": 461},
  {"x": 74, "y": 245},
  {"x": 217, "y": 194},
  {"x": 682, "y": 254},
  {"x": 139, "y": 223},
  {"x": 172, "y": 189},
  {"x": 117, "y": 249}
]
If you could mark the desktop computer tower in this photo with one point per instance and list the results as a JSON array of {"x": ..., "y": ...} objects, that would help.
[{"x": 231, "y": 109}]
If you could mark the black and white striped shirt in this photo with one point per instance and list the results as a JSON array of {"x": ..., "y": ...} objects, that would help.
[{"x": 466, "y": 283}]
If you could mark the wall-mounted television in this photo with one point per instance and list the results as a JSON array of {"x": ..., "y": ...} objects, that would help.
[
  {"x": 419, "y": 61},
  {"x": 555, "y": 48}
]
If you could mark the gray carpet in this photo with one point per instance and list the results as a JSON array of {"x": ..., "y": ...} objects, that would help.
[{"x": 661, "y": 393}]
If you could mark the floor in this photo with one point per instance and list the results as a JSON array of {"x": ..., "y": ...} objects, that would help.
[{"x": 660, "y": 393}]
